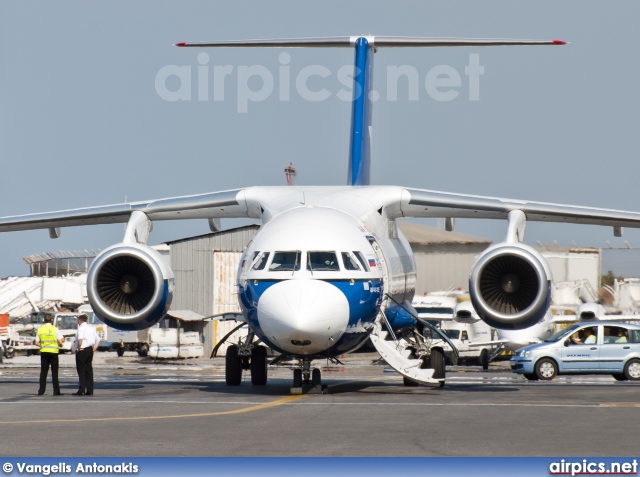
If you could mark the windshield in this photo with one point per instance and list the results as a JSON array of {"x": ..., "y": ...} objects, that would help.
[
  {"x": 93, "y": 319},
  {"x": 452, "y": 334},
  {"x": 285, "y": 261},
  {"x": 563, "y": 332},
  {"x": 439, "y": 311},
  {"x": 322, "y": 261},
  {"x": 67, "y": 322}
]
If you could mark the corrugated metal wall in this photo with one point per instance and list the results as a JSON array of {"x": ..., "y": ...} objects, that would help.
[{"x": 205, "y": 271}]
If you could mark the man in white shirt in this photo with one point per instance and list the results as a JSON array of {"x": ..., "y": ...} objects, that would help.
[{"x": 87, "y": 342}]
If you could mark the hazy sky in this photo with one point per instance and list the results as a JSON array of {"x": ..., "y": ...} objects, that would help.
[{"x": 82, "y": 122}]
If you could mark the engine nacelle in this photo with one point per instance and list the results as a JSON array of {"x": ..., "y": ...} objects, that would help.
[
  {"x": 130, "y": 286},
  {"x": 510, "y": 286}
]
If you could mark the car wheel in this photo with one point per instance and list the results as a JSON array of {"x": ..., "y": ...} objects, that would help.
[
  {"x": 619, "y": 377},
  {"x": 546, "y": 369},
  {"x": 531, "y": 376},
  {"x": 9, "y": 352},
  {"x": 632, "y": 370}
]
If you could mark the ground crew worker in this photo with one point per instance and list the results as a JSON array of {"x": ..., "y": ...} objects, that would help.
[{"x": 49, "y": 339}]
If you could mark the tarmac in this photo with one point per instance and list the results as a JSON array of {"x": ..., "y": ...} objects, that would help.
[{"x": 143, "y": 407}]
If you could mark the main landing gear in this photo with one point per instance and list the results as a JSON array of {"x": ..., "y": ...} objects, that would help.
[{"x": 246, "y": 355}]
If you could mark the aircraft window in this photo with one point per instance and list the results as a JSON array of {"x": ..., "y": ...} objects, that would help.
[
  {"x": 322, "y": 261},
  {"x": 285, "y": 261},
  {"x": 350, "y": 263},
  {"x": 452, "y": 334},
  {"x": 362, "y": 260},
  {"x": 261, "y": 262}
]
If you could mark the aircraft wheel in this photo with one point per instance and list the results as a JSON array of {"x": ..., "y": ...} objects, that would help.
[
  {"x": 546, "y": 369},
  {"x": 632, "y": 370},
  {"x": 531, "y": 376},
  {"x": 484, "y": 359},
  {"x": 437, "y": 363},
  {"x": 232, "y": 366},
  {"x": 259, "y": 366},
  {"x": 316, "y": 377},
  {"x": 297, "y": 378},
  {"x": 619, "y": 377}
]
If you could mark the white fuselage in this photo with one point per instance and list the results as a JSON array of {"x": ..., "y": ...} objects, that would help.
[{"x": 313, "y": 278}]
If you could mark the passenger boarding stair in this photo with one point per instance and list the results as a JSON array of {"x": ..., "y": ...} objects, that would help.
[{"x": 411, "y": 354}]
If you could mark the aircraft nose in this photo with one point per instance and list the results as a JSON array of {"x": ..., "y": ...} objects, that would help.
[{"x": 303, "y": 316}]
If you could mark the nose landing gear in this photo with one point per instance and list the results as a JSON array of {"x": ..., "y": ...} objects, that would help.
[{"x": 307, "y": 380}]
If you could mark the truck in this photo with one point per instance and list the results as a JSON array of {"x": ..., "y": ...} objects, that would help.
[
  {"x": 65, "y": 321},
  {"x": 456, "y": 318},
  {"x": 117, "y": 340}
]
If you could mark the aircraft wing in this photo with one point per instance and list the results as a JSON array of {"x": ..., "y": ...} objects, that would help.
[
  {"x": 231, "y": 203},
  {"x": 427, "y": 203}
]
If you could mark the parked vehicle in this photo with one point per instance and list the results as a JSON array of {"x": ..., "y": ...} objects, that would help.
[
  {"x": 113, "y": 339},
  {"x": 615, "y": 350}
]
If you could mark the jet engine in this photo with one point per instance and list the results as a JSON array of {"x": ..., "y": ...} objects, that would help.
[
  {"x": 130, "y": 286},
  {"x": 510, "y": 286}
]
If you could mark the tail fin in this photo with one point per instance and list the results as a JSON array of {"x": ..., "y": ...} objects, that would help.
[{"x": 365, "y": 47}]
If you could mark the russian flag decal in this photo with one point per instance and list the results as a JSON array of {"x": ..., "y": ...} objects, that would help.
[{"x": 372, "y": 262}]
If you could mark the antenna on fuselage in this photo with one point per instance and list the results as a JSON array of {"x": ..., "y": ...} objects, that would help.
[{"x": 290, "y": 173}]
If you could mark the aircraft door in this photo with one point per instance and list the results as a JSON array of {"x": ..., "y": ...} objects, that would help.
[{"x": 382, "y": 263}]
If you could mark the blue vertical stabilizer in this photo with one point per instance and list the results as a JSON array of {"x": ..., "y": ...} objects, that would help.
[{"x": 360, "y": 149}]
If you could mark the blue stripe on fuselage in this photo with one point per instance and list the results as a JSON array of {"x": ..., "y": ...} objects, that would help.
[{"x": 363, "y": 297}]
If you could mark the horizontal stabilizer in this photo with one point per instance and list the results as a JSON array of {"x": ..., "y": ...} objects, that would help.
[{"x": 375, "y": 41}]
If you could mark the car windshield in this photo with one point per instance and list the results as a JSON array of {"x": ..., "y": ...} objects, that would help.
[{"x": 563, "y": 332}]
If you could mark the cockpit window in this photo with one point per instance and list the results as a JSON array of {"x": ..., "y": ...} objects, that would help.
[
  {"x": 261, "y": 262},
  {"x": 349, "y": 262},
  {"x": 362, "y": 261},
  {"x": 285, "y": 261},
  {"x": 322, "y": 261}
]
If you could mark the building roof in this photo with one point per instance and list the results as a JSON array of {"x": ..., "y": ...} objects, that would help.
[
  {"x": 423, "y": 235},
  {"x": 213, "y": 234}
]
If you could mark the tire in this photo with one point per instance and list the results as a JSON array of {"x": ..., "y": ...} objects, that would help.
[
  {"x": 258, "y": 366},
  {"x": 483, "y": 360},
  {"x": 437, "y": 363},
  {"x": 632, "y": 370},
  {"x": 409, "y": 382},
  {"x": 531, "y": 376},
  {"x": 619, "y": 377},
  {"x": 120, "y": 351},
  {"x": 143, "y": 352},
  {"x": 297, "y": 378},
  {"x": 316, "y": 377},
  {"x": 232, "y": 366},
  {"x": 546, "y": 369},
  {"x": 9, "y": 352}
]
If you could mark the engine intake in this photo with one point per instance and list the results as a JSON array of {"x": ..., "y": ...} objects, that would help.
[
  {"x": 130, "y": 287},
  {"x": 510, "y": 286}
]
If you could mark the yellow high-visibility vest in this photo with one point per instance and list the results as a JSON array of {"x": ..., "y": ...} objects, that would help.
[{"x": 47, "y": 337}]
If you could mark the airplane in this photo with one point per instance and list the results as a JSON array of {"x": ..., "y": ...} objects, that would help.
[{"x": 329, "y": 267}]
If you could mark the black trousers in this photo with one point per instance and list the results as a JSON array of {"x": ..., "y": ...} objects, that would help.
[
  {"x": 84, "y": 366},
  {"x": 49, "y": 360}
]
